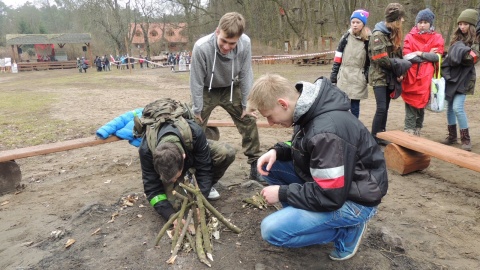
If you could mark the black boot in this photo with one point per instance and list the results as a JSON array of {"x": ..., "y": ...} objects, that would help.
[
  {"x": 465, "y": 138},
  {"x": 254, "y": 175},
  {"x": 452, "y": 135}
]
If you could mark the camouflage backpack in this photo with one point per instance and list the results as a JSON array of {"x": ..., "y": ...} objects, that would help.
[{"x": 155, "y": 114}]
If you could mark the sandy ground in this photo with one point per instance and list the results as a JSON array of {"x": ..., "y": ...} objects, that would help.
[{"x": 428, "y": 220}]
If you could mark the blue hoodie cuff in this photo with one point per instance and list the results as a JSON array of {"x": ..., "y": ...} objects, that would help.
[{"x": 102, "y": 134}]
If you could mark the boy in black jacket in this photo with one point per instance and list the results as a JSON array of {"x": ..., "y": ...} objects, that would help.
[
  {"x": 163, "y": 169},
  {"x": 329, "y": 178}
]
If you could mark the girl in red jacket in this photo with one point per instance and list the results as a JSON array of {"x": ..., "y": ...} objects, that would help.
[{"x": 421, "y": 47}]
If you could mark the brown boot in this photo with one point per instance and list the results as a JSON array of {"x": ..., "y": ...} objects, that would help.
[
  {"x": 452, "y": 135},
  {"x": 465, "y": 138}
]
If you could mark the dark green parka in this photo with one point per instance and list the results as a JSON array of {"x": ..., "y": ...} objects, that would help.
[{"x": 380, "y": 49}]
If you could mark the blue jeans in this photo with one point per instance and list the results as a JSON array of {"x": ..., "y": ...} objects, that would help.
[
  {"x": 293, "y": 227},
  {"x": 355, "y": 107},
  {"x": 456, "y": 112}
]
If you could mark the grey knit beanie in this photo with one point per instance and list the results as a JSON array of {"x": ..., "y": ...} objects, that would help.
[
  {"x": 425, "y": 15},
  {"x": 469, "y": 16}
]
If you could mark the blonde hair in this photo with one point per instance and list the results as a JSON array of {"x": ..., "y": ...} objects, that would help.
[
  {"x": 396, "y": 33},
  {"x": 233, "y": 24},
  {"x": 365, "y": 33},
  {"x": 267, "y": 90}
]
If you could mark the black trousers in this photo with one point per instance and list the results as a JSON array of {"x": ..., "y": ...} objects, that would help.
[{"x": 382, "y": 98}]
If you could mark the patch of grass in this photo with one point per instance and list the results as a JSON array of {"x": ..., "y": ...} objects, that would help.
[
  {"x": 183, "y": 77},
  {"x": 23, "y": 113},
  {"x": 24, "y": 101},
  {"x": 292, "y": 72},
  {"x": 27, "y": 99}
]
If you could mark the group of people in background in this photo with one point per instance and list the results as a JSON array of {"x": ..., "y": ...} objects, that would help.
[
  {"x": 175, "y": 58},
  {"x": 82, "y": 64},
  {"x": 397, "y": 65},
  {"x": 124, "y": 61},
  {"x": 102, "y": 63},
  {"x": 143, "y": 61}
]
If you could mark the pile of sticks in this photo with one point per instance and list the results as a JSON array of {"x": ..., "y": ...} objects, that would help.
[{"x": 194, "y": 203}]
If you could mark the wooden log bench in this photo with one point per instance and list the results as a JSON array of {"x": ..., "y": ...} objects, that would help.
[
  {"x": 10, "y": 174},
  {"x": 408, "y": 153}
]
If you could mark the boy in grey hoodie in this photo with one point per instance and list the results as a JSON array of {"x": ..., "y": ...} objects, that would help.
[{"x": 221, "y": 75}]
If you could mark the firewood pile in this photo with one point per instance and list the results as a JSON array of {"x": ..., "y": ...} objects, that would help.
[{"x": 193, "y": 232}]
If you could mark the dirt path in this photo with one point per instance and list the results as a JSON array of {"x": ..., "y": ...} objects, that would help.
[{"x": 431, "y": 218}]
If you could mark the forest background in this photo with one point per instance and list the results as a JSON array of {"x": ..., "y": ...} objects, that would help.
[{"x": 270, "y": 23}]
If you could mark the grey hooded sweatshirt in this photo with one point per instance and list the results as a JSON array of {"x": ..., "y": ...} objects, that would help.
[{"x": 205, "y": 54}]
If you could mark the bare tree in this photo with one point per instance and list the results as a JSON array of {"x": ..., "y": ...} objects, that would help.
[
  {"x": 148, "y": 11},
  {"x": 114, "y": 20}
]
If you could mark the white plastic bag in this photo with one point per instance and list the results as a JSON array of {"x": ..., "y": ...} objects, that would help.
[{"x": 437, "y": 90}]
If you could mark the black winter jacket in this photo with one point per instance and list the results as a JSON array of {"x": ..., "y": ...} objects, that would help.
[
  {"x": 458, "y": 69},
  {"x": 399, "y": 68},
  {"x": 199, "y": 159},
  {"x": 333, "y": 152}
]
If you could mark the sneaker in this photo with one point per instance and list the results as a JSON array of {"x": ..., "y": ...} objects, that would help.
[
  {"x": 255, "y": 175},
  {"x": 213, "y": 195},
  {"x": 350, "y": 247}
]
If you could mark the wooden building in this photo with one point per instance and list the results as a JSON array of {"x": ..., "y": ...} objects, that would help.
[
  {"x": 45, "y": 47},
  {"x": 170, "y": 35}
]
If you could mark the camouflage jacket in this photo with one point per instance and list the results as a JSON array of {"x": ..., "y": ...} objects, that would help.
[{"x": 380, "y": 50}]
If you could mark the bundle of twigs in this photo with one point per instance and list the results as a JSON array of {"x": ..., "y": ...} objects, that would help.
[
  {"x": 257, "y": 201},
  {"x": 195, "y": 203}
]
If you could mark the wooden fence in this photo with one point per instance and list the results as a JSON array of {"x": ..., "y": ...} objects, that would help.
[{"x": 30, "y": 66}]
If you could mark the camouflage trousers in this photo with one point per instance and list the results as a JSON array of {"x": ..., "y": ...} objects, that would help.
[
  {"x": 222, "y": 155},
  {"x": 246, "y": 126}
]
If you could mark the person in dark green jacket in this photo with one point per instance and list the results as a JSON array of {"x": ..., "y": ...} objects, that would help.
[{"x": 385, "y": 43}]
